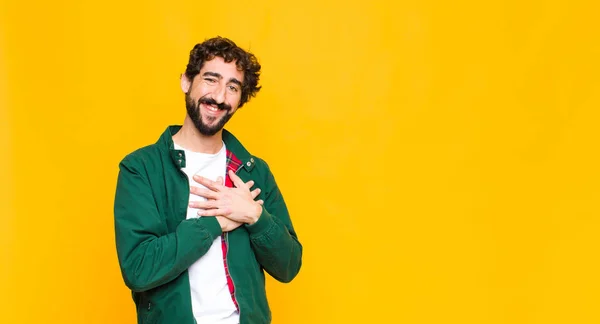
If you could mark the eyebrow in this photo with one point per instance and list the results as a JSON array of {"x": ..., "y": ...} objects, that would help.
[
  {"x": 213, "y": 74},
  {"x": 236, "y": 81},
  {"x": 219, "y": 76}
]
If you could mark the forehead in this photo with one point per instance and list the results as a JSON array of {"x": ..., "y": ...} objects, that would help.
[{"x": 226, "y": 70}]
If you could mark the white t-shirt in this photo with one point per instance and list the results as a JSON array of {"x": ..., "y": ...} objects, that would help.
[{"x": 211, "y": 300}]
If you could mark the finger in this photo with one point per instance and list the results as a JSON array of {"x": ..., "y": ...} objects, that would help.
[
  {"x": 208, "y": 194},
  {"x": 219, "y": 180},
  {"x": 260, "y": 202},
  {"x": 214, "y": 212},
  {"x": 255, "y": 193},
  {"x": 237, "y": 181},
  {"x": 209, "y": 204},
  {"x": 212, "y": 185},
  {"x": 249, "y": 184}
]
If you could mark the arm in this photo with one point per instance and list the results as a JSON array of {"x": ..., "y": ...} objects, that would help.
[
  {"x": 148, "y": 257},
  {"x": 273, "y": 237}
]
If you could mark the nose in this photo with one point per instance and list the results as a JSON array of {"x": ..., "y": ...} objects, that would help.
[{"x": 219, "y": 94}]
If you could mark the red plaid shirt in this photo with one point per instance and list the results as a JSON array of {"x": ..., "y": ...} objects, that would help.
[{"x": 233, "y": 164}]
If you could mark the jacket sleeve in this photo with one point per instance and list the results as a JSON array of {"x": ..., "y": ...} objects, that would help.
[
  {"x": 148, "y": 256},
  {"x": 273, "y": 238}
]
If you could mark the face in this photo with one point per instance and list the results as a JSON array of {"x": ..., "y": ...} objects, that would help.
[{"x": 213, "y": 96}]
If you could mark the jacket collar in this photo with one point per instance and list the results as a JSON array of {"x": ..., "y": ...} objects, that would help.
[{"x": 233, "y": 145}]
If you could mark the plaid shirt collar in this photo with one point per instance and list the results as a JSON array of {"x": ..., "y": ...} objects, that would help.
[{"x": 233, "y": 164}]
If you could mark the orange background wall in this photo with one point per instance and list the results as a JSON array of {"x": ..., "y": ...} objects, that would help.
[{"x": 439, "y": 158}]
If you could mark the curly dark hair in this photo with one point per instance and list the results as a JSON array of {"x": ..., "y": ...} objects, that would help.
[{"x": 229, "y": 51}]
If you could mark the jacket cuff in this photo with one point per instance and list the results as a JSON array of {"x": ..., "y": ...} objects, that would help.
[
  {"x": 211, "y": 224},
  {"x": 262, "y": 225}
]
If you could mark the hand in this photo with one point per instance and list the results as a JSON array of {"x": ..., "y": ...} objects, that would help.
[
  {"x": 227, "y": 225},
  {"x": 237, "y": 204}
]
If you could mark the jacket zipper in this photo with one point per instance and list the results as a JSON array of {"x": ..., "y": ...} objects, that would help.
[
  {"x": 230, "y": 276},
  {"x": 226, "y": 260}
]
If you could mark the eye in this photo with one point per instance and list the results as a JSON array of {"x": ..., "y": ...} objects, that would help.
[
  {"x": 210, "y": 80},
  {"x": 233, "y": 88}
]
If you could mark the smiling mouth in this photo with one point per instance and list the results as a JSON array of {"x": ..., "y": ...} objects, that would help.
[
  {"x": 213, "y": 110},
  {"x": 213, "y": 106}
]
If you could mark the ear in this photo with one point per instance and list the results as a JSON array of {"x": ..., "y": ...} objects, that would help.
[{"x": 186, "y": 83}]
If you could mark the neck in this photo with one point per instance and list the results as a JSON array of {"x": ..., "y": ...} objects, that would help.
[{"x": 191, "y": 139}]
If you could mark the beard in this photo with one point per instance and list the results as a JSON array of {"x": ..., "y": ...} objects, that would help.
[{"x": 193, "y": 110}]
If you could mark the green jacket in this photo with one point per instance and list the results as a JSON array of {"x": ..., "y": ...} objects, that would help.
[{"x": 156, "y": 243}]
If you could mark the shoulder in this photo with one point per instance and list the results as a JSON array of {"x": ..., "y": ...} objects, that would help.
[
  {"x": 142, "y": 158},
  {"x": 260, "y": 164}
]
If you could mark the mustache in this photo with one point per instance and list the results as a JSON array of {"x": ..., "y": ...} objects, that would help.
[{"x": 211, "y": 101}]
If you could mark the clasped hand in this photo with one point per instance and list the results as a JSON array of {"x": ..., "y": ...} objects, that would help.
[{"x": 231, "y": 206}]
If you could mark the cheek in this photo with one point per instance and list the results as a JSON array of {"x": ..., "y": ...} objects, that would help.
[
  {"x": 235, "y": 99},
  {"x": 198, "y": 90},
  {"x": 234, "y": 103}
]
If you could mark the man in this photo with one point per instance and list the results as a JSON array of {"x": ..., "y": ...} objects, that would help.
[{"x": 192, "y": 236}]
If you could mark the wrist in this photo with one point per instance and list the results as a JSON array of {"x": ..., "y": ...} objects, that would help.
[{"x": 255, "y": 214}]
